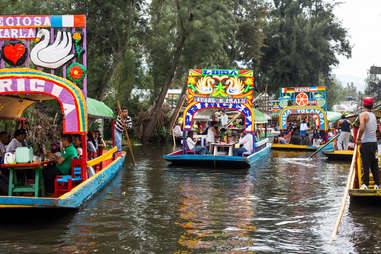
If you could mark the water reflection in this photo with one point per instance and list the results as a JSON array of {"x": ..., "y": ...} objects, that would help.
[{"x": 286, "y": 204}]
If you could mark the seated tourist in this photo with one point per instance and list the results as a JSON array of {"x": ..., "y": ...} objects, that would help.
[
  {"x": 91, "y": 149},
  {"x": 315, "y": 138},
  {"x": 62, "y": 165},
  {"x": 295, "y": 138},
  {"x": 192, "y": 145},
  {"x": 282, "y": 139},
  {"x": 306, "y": 140},
  {"x": 276, "y": 140},
  {"x": 246, "y": 140},
  {"x": 98, "y": 138},
  {"x": 212, "y": 133},
  {"x": 17, "y": 141},
  {"x": 77, "y": 143}
]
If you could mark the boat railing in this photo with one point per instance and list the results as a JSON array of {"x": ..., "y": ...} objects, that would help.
[{"x": 100, "y": 160}]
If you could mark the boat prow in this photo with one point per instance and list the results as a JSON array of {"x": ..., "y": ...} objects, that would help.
[
  {"x": 290, "y": 147},
  {"x": 344, "y": 155}
]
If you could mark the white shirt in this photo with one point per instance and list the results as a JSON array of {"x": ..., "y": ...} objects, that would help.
[
  {"x": 303, "y": 126},
  {"x": 224, "y": 118},
  {"x": 13, "y": 145},
  {"x": 191, "y": 144},
  {"x": 247, "y": 142},
  {"x": 210, "y": 136},
  {"x": 177, "y": 131}
]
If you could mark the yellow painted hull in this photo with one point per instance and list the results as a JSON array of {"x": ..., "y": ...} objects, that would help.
[
  {"x": 371, "y": 196},
  {"x": 345, "y": 155},
  {"x": 290, "y": 147}
]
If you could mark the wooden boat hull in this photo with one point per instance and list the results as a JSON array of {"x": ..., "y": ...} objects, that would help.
[
  {"x": 369, "y": 196},
  {"x": 290, "y": 147},
  {"x": 345, "y": 155},
  {"x": 70, "y": 200},
  {"x": 218, "y": 160}
]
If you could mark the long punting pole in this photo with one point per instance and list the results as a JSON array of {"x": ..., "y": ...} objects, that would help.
[
  {"x": 350, "y": 180},
  {"x": 177, "y": 111},
  {"x": 318, "y": 150},
  {"x": 128, "y": 138}
]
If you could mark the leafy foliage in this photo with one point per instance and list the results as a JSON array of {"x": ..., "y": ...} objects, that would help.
[{"x": 152, "y": 44}]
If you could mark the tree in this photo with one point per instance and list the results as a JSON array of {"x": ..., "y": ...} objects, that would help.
[
  {"x": 373, "y": 87},
  {"x": 303, "y": 39},
  {"x": 201, "y": 34}
]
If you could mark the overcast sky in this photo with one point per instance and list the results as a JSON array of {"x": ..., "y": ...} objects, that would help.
[{"x": 362, "y": 19}]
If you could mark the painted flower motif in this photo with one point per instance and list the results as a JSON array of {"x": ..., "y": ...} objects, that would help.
[
  {"x": 76, "y": 72},
  {"x": 77, "y": 36}
]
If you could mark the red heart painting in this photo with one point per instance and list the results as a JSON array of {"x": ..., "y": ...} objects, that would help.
[{"x": 14, "y": 52}]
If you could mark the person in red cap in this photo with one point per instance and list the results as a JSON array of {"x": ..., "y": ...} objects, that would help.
[{"x": 368, "y": 140}]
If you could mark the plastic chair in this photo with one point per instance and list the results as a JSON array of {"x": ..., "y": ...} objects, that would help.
[{"x": 65, "y": 183}]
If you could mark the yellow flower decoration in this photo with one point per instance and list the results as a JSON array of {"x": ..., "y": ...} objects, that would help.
[{"x": 77, "y": 36}]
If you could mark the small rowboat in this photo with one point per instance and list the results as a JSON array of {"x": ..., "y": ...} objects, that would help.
[{"x": 344, "y": 155}]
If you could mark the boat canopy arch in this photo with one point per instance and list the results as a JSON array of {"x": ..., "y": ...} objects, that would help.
[
  {"x": 223, "y": 89},
  {"x": 22, "y": 87},
  {"x": 303, "y": 101},
  {"x": 193, "y": 108},
  {"x": 307, "y": 110}
]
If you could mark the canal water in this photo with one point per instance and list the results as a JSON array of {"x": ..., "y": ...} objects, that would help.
[{"x": 285, "y": 204}]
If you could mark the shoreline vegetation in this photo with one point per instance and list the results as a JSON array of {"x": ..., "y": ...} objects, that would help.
[{"x": 151, "y": 45}]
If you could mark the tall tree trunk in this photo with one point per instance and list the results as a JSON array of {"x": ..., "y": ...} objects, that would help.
[{"x": 149, "y": 129}]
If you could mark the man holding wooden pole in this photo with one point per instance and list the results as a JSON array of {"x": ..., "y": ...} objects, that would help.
[
  {"x": 368, "y": 140},
  {"x": 119, "y": 127}
]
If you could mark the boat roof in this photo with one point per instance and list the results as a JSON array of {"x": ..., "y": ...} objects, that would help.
[
  {"x": 97, "y": 109},
  {"x": 220, "y": 89}
]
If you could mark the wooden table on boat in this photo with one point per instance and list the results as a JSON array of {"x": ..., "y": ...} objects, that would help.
[
  {"x": 223, "y": 144},
  {"x": 38, "y": 179}
]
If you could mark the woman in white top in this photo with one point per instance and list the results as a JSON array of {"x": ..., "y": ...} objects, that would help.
[
  {"x": 212, "y": 133},
  {"x": 192, "y": 145}
]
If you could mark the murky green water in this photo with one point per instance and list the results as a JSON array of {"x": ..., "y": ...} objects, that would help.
[{"x": 282, "y": 205}]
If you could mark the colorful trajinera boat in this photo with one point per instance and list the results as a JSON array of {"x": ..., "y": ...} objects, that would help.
[
  {"x": 59, "y": 55},
  {"x": 226, "y": 90},
  {"x": 304, "y": 101}
]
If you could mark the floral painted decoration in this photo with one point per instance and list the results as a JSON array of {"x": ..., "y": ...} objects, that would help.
[
  {"x": 76, "y": 72},
  {"x": 77, "y": 37}
]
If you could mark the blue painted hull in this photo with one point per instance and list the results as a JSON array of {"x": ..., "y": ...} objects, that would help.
[
  {"x": 73, "y": 199},
  {"x": 218, "y": 160}
]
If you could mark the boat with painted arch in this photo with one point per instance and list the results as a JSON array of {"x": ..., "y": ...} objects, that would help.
[
  {"x": 305, "y": 102},
  {"x": 53, "y": 79},
  {"x": 225, "y": 90}
]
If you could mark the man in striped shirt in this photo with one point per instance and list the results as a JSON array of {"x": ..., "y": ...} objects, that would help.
[{"x": 119, "y": 128}]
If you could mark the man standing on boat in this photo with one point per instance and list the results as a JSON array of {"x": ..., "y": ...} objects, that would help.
[
  {"x": 119, "y": 127},
  {"x": 345, "y": 126},
  {"x": 368, "y": 141}
]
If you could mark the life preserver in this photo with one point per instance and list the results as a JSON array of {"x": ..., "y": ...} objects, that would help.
[{"x": 302, "y": 99}]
